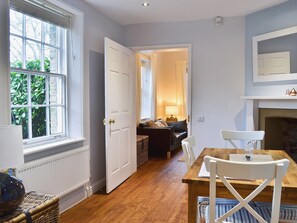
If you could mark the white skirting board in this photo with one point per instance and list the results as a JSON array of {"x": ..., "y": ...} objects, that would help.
[{"x": 71, "y": 199}]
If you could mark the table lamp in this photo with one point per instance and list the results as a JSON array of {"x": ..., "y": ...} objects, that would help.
[
  {"x": 12, "y": 190},
  {"x": 171, "y": 110}
]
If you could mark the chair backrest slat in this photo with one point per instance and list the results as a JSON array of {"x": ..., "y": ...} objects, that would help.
[
  {"x": 265, "y": 171},
  {"x": 248, "y": 170},
  {"x": 188, "y": 153},
  {"x": 230, "y": 135}
]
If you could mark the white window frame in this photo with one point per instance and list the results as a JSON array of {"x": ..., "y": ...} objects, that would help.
[
  {"x": 75, "y": 90},
  {"x": 149, "y": 88},
  {"x": 62, "y": 73}
]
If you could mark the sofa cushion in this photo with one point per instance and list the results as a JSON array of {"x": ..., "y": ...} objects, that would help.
[
  {"x": 179, "y": 126},
  {"x": 155, "y": 124},
  {"x": 159, "y": 123},
  {"x": 143, "y": 124},
  {"x": 151, "y": 123},
  {"x": 164, "y": 123}
]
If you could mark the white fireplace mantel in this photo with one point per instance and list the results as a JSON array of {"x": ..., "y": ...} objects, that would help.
[
  {"x": 253, "y": 103},
  {"x": 269, "y": 97}
]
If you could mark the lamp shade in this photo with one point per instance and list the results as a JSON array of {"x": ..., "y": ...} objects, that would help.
[
  {"x": 171, "y": 110},
  {"x": 11, "y": 146},
  {"x": 12, "y": 190}
]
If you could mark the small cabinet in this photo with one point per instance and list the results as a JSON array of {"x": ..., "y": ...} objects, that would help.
[{"x": 142, "y": 149}]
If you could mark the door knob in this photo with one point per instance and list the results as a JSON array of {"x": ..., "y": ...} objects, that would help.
[{"x": 111, "y": 121}]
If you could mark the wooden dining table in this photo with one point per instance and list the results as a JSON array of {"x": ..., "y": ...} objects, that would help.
[{"x": 199, "y": 186}]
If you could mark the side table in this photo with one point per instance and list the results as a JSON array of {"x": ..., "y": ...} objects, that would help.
[{"x": 37, "y": 208}]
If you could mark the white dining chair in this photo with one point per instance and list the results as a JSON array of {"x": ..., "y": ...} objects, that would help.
[
  {"x": 243, "y": 212},
  {"x": 189, "y": 157},
  {"x": 188, "y": 154},
  {"x": 253, "y": 137}
]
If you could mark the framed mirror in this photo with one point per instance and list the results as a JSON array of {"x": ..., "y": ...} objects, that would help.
[{"x": 275, "y": 56}]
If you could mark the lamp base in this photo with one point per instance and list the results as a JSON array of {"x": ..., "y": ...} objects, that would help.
[
  {"x": 12, "y": 193},
  {"x": 171, "y": 119}
]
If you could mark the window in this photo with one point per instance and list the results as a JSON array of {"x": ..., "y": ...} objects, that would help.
[
  {"x": 38, "y": 72},
  {"x": 146, "y": 89}
]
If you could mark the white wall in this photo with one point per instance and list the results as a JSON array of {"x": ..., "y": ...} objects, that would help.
[
  {"x": 165, "y": 80},
  {"x": 217, "y": 70}
]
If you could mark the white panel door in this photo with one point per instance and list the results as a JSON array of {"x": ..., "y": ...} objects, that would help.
[{"x": 120, "y": 125}]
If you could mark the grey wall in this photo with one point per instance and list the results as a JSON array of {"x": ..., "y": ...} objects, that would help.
[
  {"x": 97, "y": 113},
  {"x": 217, "y": 70},
  {"x": 268, "y": 20}
]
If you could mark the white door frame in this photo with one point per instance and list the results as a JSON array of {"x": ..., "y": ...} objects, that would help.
[{"x": 174, "y": 46}]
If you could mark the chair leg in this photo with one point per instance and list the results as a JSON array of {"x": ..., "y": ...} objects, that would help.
[{"x": 168, "y": 155}]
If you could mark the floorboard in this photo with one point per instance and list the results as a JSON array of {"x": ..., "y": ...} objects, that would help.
[{"x": 153, "y": 194}]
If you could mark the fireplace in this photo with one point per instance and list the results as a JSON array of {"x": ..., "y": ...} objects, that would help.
[
  {"x": 280, "y": 112},
  {"x": 280, "y": 126}
]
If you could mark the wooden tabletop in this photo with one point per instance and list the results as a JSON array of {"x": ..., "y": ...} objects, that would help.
[{"x": 244, "y": 187}]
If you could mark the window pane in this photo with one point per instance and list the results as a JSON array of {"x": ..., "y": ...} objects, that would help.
[
  {"x": 32, "y": 55},
  {"x": 33, "y": 28},
  {"x": 16, "y": 22},
  {"x": 19, "y": 116},
  {"x": 37, "y": 99},
  {"x": 38, "y": 90},
  {"x": 38, "y": 122},
  {"x": 50, "y": 59},
  {"x": 16, "y": 52},
  {"x": 56, "y": 120},
  {"x": 55, "y": 90},
  {"x": 146, "y": 90},
  {"x": 50, "y": 34},
  {"x": 18, "y": 88}
]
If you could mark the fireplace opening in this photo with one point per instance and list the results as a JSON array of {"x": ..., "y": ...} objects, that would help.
[{"x": 280, "y": 126}]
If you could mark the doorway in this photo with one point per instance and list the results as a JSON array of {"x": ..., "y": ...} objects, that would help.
[{"x": 164, "y": 76}]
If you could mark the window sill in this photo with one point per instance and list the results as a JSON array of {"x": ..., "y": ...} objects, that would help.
[{"x": 52, "y": 145}]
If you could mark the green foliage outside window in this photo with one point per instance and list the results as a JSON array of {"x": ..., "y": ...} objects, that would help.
[{"x": 19, "y": 96}]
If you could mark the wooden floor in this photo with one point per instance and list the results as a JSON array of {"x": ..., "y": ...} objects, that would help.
[{"x": 154, "y": 194}]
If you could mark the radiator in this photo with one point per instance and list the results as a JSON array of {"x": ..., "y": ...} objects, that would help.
[{"x": 58, "y": 174}]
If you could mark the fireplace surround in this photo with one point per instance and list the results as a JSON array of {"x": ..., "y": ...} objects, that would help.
[
  {"x": 277, "y": 116},
  {"x": 280, "y": 126}
]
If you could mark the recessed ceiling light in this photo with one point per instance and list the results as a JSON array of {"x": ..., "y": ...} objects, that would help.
[{"x": 145, "y": 4}]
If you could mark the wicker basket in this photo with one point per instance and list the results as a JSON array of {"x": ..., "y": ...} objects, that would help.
[{"x": 39, "y": 208}]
